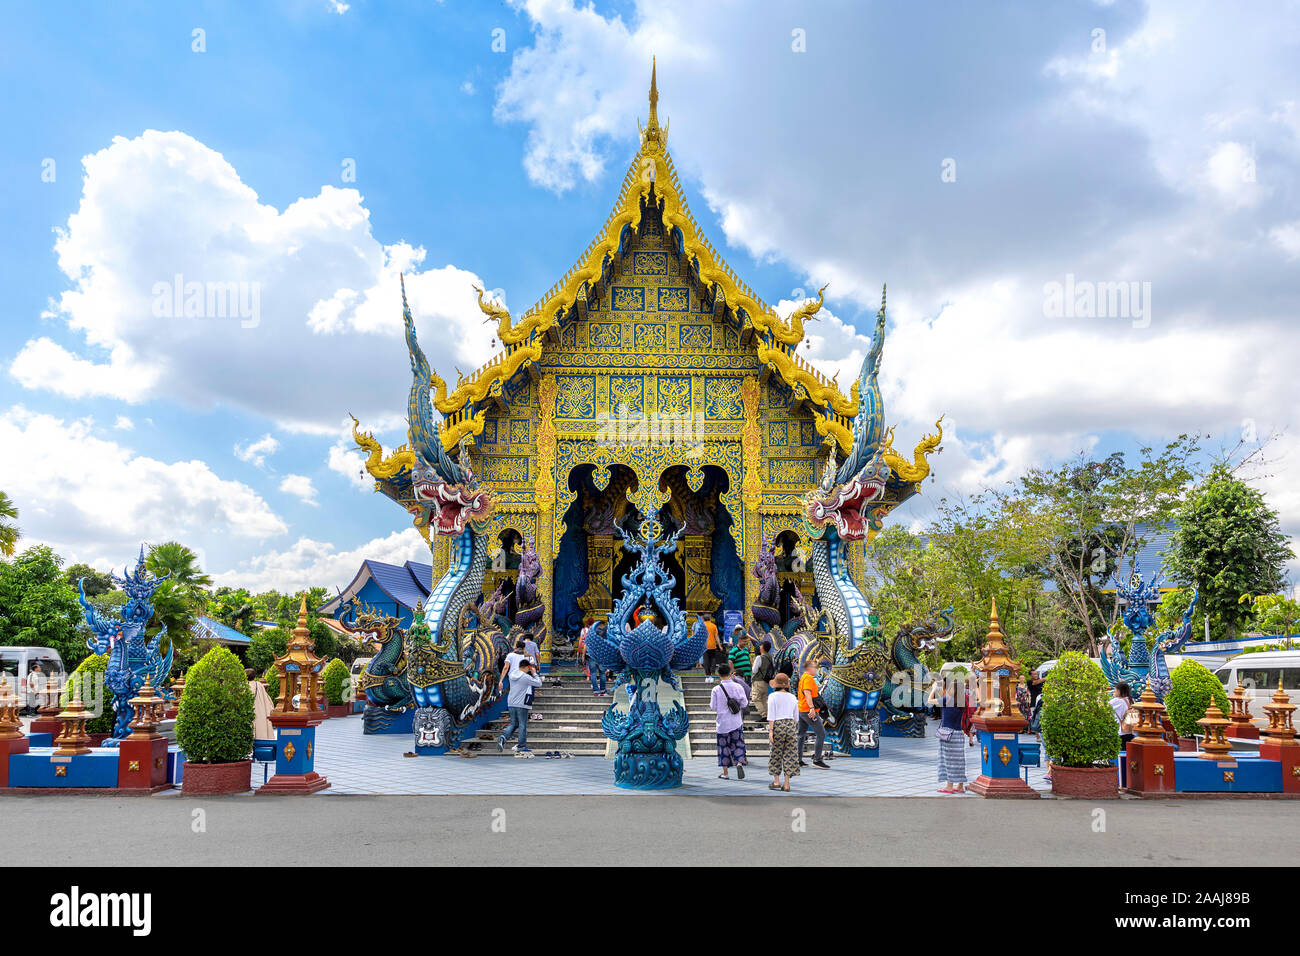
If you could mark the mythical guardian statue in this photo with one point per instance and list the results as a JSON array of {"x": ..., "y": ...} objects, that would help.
[
  {"x": 849, "y": 505},
  {"x": 449, "y": 697},
  {"x": 131, "y": 658},
  {"x": 647, "y": 757},
  {"x": 1144, "y": 665}
]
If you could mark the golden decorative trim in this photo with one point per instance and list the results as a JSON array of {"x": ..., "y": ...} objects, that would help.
[
  {"x": 403, "y": 459},
  {"x": 544, "y": 488},
  {"x": 751, "y": 443},
  {"x": 917, "y": 469}
]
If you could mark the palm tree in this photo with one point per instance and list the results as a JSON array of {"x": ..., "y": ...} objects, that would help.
[
  {"x": 8, "y": 532},
  {"x": 181, "y": 597},
  {"x": 179, "y": 563}
]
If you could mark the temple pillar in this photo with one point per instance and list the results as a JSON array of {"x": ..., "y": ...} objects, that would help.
[
  {"x": 697, "y": 565},
  {"x": 602, "y": 554}
]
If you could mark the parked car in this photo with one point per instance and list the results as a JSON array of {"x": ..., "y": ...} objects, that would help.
[
  {"x": 1259, "y": 675},
  {"x": 358, "y": 668},
  {"x": 18, "y": 665}
]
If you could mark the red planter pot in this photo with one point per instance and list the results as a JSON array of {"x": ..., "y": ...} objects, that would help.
[
  {"x": 1187, "y": 745},
  {"x": 209, "y": 778},
  {"x": 1089, "y": 783},
  {"x": 338, "y": 710},
  {"x": 97, "y": 740}
]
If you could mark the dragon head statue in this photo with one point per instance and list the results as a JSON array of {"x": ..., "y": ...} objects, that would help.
[{"x": 849, "y": 506}]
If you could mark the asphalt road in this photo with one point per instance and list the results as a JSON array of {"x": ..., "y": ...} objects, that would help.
[{"x": 551, "y": 830}]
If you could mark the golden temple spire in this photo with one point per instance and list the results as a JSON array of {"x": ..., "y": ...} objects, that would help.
[
  {"x": 654, "y": 96},
  {"x": 653, "y": 133}
]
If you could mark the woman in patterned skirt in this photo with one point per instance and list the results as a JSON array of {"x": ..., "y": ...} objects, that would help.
[
  {"x": 954, "y": 732},
  {"x": 782, "y": 733},
  {"x": 728, "y": 700}
]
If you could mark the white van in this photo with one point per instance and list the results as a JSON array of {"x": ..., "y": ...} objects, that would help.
[
  {"x": 33, "y": 673},
  {"x": 358, "y": 668},
  {"x": 1259, "y": 675}
]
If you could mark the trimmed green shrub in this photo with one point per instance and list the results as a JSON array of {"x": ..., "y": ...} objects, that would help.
[
  {"x": 90, "y": 674},
  {"x": 1079, "y": 728},
  {"x": 272, "y": 678},
  {"x": 215, "y": 722},
  {"x": 1194, "y": 687},
  {"x": 265, "y": 646},
  {"x": 336, "y": 676}
]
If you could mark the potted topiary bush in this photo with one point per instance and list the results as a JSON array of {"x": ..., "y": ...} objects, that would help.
[
  {"x": 1193, "y": 688},
  {"x": 335, "y": 679},
  {"x": 89, "y": 676},
  {"x": 1080, "y": 733},
  {"x": 214, "y": 727}
]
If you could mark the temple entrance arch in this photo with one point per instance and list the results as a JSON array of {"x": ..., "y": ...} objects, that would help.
[{"x": 645, "y": 475}]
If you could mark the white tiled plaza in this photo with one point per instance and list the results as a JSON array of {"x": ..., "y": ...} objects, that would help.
[{"x": 357, "y": 764}]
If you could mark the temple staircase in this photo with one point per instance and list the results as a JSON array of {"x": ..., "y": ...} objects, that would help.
[{"x": 571, "y": 721}]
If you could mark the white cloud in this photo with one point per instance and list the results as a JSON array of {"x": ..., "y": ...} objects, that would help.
[
  {"x": 351, "y": 464},
  {"x": 256, "y": 452},
  {"x": 310, "y": 563},
  {"x": 327, "y": 294},
  {"x": 91, "y": 498},
  {"x": 1128, "y": 164},
  {"x": 123, "y": 424},
  {"x": 301, "y": 487}
]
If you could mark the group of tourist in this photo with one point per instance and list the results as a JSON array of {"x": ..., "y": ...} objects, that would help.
[
  {"x": 748, "y": 675},
  {"x": 523, "y": 668}
]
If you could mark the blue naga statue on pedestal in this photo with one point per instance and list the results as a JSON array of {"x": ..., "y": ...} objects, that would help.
[
  {"x": 131, "y": 658},
  {"x": 635, "y": 641},
  {"x": 1144, "y": 665}
]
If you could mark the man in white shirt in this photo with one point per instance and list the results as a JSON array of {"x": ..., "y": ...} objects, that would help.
[{"x": 511, "y": 666}]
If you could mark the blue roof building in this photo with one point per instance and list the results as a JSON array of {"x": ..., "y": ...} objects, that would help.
[
  {"x": 208, "y": 629},
  {"x": 394, "y": 589}
]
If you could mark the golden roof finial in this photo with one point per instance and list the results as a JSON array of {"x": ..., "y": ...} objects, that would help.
[{"x": 652, "y": 134}]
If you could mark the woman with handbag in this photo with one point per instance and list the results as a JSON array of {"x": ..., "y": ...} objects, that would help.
[
  {"x": 782, "y": 733},
  {"x": 727, "y": 701},
  {"x": 955, "y": 715}
]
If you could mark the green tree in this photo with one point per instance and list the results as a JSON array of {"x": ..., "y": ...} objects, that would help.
[
  {"x": 39, "y": 607},
  {"x": 1276, "y": 614},
  {"x": 1094, "y": 513},
  {"x": 8, "y": 531},
  {"x": 96, "y": 582},
  {"x": 182, "y": 596},
  {"x": 1227, "y": 544},
  {"x": 265, "y": 646}
]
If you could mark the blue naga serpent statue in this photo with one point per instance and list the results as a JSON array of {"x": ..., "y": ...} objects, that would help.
[
  {"x": 131, "y": 658},
  {"x": 849, "y": 504},
  {"x": 1144, "y": 665},
  {"x": 448, "y": 693},
  {"x": 647, "y": 757}
]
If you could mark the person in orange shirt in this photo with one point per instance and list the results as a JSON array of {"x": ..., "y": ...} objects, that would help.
[
  {"x": 713, "y": 652},
  {"x": 810, "y": 717}
]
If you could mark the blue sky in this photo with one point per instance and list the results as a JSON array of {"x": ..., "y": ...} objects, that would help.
[{"x": 816, "y": 145}]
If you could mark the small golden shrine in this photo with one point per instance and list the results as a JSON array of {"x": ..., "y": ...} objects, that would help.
[
  {"x": 1239, "y": 724},
  {"x": 999, "y": 673},
  {"x": 299, "y": 671},
  {"x": 11, "y": 727},
  {"x": 1151, "y": 713},
  {"x": 1214, "y": 747},
  {"x": 73, "y": 739},
  {"x": 1280, "y": 729},
  {"x": 148, "y": 710}
]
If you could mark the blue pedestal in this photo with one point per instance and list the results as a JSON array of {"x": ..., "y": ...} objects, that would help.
[
  {"x": 175, "y": 765},
  {"x": 40, "y": 740},
  {"x": 1243, "y": 773},
  {"x": 377, "y": 720},
  {"x": 295, "y": 750},
  {"x": 1002, "y": 754},
  {"x": 41, "y": 767}
]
